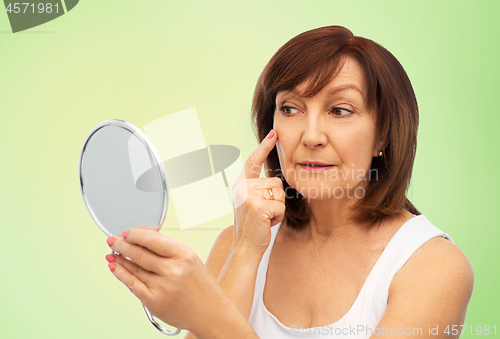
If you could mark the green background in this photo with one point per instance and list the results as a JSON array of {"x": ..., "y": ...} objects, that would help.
[{"x": 142, "y": 60}]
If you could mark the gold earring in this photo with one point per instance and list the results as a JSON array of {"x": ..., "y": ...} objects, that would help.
[{"x": 380, "y": 153}]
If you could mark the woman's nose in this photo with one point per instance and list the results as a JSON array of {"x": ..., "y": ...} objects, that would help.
[{"x": 314, "y": 135}]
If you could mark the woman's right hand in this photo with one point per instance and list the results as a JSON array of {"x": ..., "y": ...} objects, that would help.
[{"x": 254, "y": 211}]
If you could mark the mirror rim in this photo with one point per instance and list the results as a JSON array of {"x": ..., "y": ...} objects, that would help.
[{"x": 153, "y": 152}]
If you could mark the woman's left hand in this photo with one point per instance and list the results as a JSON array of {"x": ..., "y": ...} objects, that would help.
[{"x": 166, "y": 275}]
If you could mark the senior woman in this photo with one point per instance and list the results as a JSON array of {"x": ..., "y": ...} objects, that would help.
[{"x": 327, "y": 244}]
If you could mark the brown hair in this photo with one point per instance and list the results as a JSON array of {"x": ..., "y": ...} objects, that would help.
[{"x": 316, "y": 55}]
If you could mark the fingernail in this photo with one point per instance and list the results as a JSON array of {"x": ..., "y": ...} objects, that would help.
[
  {"x": 112, "y": 266},
  {"x": 110, "y": 258},
  {"x": 271, "y": 134},
  {"x": 124, "y": 234},
  {"x": 110, "y": 241}
]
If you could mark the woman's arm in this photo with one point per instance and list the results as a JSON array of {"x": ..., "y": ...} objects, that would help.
[
  {"x": 224, "y": 322},
  {"x": 238, "y": 273},
  {"x": 236, "y": 254},
  {"x": 429, "y": 295},
  {"x": 235, "y": 271}
]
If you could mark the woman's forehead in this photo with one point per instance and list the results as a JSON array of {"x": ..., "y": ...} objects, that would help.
[{"x": 348, "y": 76}]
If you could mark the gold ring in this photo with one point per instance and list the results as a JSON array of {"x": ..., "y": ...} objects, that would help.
[{"x": 271, "y": 193}]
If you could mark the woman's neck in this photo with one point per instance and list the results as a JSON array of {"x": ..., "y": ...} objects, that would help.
[{"x": 330, "y": 223}]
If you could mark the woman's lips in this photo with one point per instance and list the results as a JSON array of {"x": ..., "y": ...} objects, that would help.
[{"x": 316, "y": 168}]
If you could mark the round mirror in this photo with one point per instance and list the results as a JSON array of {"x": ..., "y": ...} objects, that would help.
[{"x": 123, "y": 182}]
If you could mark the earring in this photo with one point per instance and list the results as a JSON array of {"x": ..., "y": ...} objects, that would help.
[{"x": 380, "y": 153}]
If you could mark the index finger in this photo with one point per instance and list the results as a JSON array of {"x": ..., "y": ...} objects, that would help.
[
  {"x": 253, "y": 165},
  {"x": 154, "y": 241}
]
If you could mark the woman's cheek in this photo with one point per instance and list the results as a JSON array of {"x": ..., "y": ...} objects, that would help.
[
  {"x": 281, "y": 156},
  {"x": 356, "y": 156},
  {"x": 285, "y": 148}
]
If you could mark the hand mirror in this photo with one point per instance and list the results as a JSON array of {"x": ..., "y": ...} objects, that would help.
[{"x": 123, "y": 182}]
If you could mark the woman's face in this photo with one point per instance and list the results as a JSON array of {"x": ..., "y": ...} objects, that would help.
[{"x": 333, "y": 127}]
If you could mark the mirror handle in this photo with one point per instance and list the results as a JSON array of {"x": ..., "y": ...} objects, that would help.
[{"x": 158, "y": 326}]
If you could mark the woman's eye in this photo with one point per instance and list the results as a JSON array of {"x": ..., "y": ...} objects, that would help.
[
  {"x": 341, "y": 112},
  {"x": 287, "y": 110}
]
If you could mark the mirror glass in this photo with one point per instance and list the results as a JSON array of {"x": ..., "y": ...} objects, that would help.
[{"x": 122, "y": 178}]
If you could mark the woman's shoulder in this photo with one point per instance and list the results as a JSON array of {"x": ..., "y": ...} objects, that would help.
[
  {"x": 438, "y": 269},
  {"x": 432, "y": 288},
  {"x": 437, "y": 257},
  {"x": 438, "y": 254}
]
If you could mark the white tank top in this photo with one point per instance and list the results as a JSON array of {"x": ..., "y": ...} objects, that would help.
[{"x": 369, "y": 307}]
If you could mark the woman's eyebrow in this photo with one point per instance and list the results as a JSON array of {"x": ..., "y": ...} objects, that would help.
[{"x": 332, "y": 91}]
